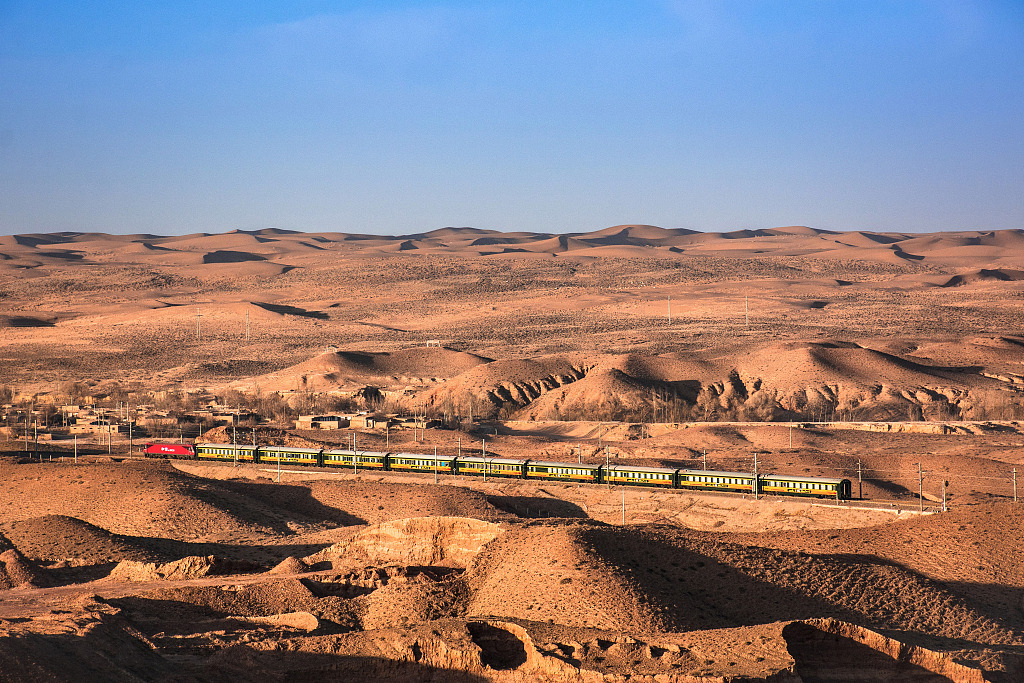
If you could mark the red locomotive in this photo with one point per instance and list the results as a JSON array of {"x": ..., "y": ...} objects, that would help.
[{"x": 170, "y": 450}]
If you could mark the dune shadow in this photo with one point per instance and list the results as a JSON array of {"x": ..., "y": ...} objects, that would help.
[
  {"x": 694, "y": 591},
  {"x": 303, "y": 666},
  {"x": 238, "y": 558},
  {"x": 272, "y": 505},
  {"x": 24, "y": 321},
  {"x": 231, "y": 257},
  {"x": 283, "y": 309},
  {"x": 822, "y": 656},
  {"x": 532, "y": 507}
]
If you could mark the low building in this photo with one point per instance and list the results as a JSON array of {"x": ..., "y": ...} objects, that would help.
[
  {"x": 98, "y": 427},
  {"x": 322, "y": 422}
]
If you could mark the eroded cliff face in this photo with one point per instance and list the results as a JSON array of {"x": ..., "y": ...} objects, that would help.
[
  {"x": 829, "y": 649},
  {"x": 420, "y": 541},
  {"x": 97, "y": 638}
]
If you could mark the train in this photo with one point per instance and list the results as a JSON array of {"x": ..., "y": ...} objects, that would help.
[{"x": 486, "y": 466}]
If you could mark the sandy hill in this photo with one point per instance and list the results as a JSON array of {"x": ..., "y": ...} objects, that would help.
[
  {"x": 791, "y": 376},
  {"x": 149, "y": 498},
  {"x": 374, "y": 502},
  {"x": 52, "y": 538},
  {"x": 514, "y": 382},
  {"x": 544, "y": 572},
  {"x": 353, "y": 369},
  {"x": 990, "y": 249},
  {"x": 665, "y": 579},
  {"x": 692, "y": 582}
]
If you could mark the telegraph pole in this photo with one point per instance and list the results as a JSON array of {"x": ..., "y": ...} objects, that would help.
[
  {"x": 199, "y": 329},
  {"x": 920, "y": 488},
  {"x": 860, "y": 481},
  {"x": 755, "y": 476},
  {"x": 1014, "y": 484},
  {"x": 435, "y": 464}
]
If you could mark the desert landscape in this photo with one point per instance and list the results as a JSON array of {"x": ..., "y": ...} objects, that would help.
[{"x": 894, "y": 360}]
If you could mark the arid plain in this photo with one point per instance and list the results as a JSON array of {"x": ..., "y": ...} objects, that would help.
[{"x": 893, "y": 359}]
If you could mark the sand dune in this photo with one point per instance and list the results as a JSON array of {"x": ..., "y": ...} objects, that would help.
[
  {"x": 998, "y": 248},
  {"x": 985, "y": 275},
  {"x": 353, "y": 369}
]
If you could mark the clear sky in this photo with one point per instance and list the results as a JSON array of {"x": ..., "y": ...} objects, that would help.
[{"x": 400, "y": 117}]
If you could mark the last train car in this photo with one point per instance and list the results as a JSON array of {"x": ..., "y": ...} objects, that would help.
[
  {"x": 227, "y": 452},
  {"x": 818, "y": 487}
]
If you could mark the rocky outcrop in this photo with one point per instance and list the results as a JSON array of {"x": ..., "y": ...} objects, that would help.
[
  {"x": 192, "y": 567},
  {"x": 16, "y": 570},
  {"x": 418, "y": 541},
  {"x": 824, "y": 648}
]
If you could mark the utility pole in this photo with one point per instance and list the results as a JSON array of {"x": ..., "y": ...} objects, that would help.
[
  {"x": 1014, "y": 484},
  {"x": 860, "y": 481},
  {"x": 945, "y": 483},
  {"x": 76, "y": 449},
  {"x": 920, "y": 488},
  {"x": 199, "y": 329},
  {"x": 435, "y": 464},
  {"x": 755, "y": 476},
  {"x": 790, "y": 436},
  {"x": 483, "y": 454},
  {"x": 705, "y": 460},
  {"x": 579, "y": 457}
]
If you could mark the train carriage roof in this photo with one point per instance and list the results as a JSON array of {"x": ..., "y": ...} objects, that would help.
[
  {"x": 628, "y": 468},
  {"x": 289, "y": 449},
  {"x": 426, "y": 456},
  {"x": 241, "y": 446},
  {"x": 573, "y": 465},
  {"x": 716, "y": 473},
  {"x": 349, "y": 451},
  {"x": 808, "y": 480},
  {"x": 476, "y": 459}
]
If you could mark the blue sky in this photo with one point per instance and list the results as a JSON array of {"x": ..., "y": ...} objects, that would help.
[{"x": 550, "y": 116}]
